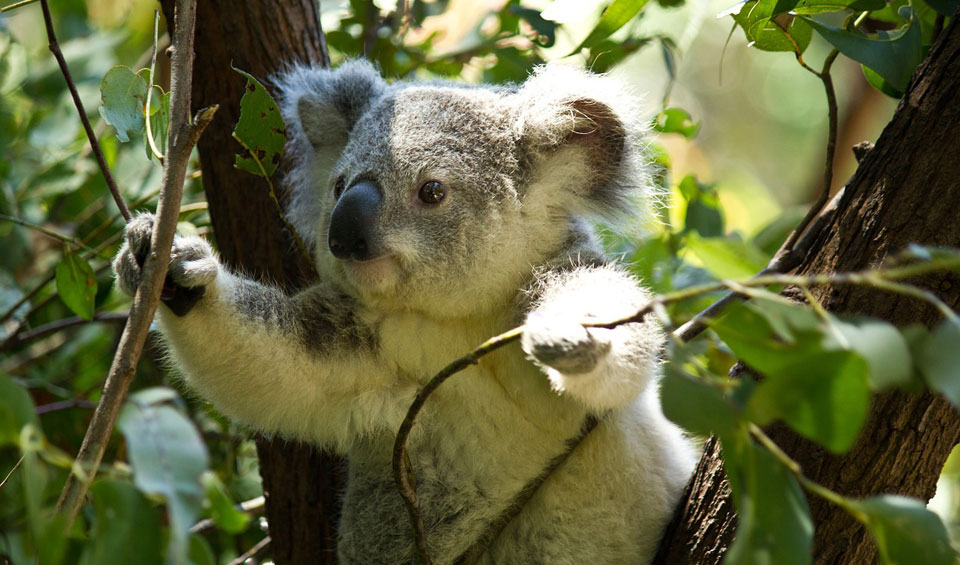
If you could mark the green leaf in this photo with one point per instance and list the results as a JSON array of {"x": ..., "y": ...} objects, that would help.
[
  {"x": 546, "y": 29},
  {"x": 676, "y": 120},
  {"x": 727, "y": 258},
  {"x": 614, "y": 17},
  {"x": 259, "y": 130},
  {"x": 127, "y": 528},
  {"x": 880, "y": 83},
  {"x": 76, "y": 284},
  {"x": 882, "y": 346},
  {"x": 892, "y": 55},
  {"x": 823, "y": 397},
  {"x": 812, "y": 383},
  {"x": 168, "y": 458},
  {"x": 939, "y": 361},
  {"x": 200, "y": 552},
  {"x": 775, "y": 525},
  {"x": 223, "y": 511},
  {"x": 768, "y": 31},
  {"x": 159, "y": 124},
  {"x": 123, "y": 94},
  {"x": 905, "y": 531},
  {"x": 16, "y": 411},
  {"x": 693, "y": 404}
]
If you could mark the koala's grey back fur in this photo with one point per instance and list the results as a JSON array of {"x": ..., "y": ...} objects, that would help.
[{"x": 522, "y": 171}]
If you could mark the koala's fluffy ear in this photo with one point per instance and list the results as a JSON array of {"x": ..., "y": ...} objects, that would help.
[
  {"x": 586, "y": 129},
  {"x": 319, "y": 108}
]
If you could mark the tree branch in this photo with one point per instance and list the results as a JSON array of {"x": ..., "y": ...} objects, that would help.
[
  {"x": 94, "y": 144},
  {"x": 182, "y": 138}
]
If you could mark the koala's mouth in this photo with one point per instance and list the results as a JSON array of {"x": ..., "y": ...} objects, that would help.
[{"x": 381, "y": 271}]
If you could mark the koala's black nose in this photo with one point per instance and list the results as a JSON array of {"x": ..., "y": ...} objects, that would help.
[{"x": 352, "y": 232}]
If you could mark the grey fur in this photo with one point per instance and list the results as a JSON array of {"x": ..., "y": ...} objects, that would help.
[{"x": 522, "y": 168}]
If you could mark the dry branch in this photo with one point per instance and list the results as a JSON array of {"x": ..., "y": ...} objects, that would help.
[{"x": 183, "y": 136}]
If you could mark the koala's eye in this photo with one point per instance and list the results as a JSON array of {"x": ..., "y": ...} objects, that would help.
[
  {"x": 338, "y": 188},
  {"x": 432, "y": 192}
]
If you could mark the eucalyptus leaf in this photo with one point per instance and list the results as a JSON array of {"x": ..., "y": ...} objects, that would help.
[
  {"x": 168, "y": 459},
  {"x": 123, "y": 94},
  {"x": 727, "y": 258},
  {"x": 775, "y": 525},
  {"x": 882, "y": 346},
  {"x": 676, "y": 120},
  {"x": 905, "y": 531},
  {"x": 769, "y": 31},
  {"x": 892, "y": 55},
  {"x": 126, "y": 528},
  {"x": 695, "y": 405},
  {"x": 614, "y": 17},
  {"x": 223, "y": 511},
  {"x": 76, "y": 284},
  {"x": 259, "y": 130}
]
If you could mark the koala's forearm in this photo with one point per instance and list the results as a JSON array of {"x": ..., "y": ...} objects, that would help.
[{"x": 299, "y": 366}]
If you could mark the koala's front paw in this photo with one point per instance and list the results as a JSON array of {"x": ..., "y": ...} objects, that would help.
[
  {"x": 192, "y": 267},
  {"x": 562, "y": 344}
]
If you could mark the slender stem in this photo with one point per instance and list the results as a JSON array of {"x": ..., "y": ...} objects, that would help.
[
  {"x": 7, "y": 478},
  {"x": 94, "y": 144},
  {"x": 252, "y": 552},
  {"x": 182, "y": 138},
  {"x": 832, "y": 114},
  {"x": 48, "y": 232},
  {"x": 153, "y": 65},
  {"x": 16, "y": 5},
  {"x": 53, "y": 327}
]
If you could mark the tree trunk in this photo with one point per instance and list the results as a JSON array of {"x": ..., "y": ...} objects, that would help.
[
  {"x": 300, "y": 484},
  {"x": 906, "y": 190}
]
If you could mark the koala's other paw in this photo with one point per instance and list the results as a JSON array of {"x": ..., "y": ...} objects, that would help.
[
  {"x": 562, "y": 344},
  {"x": 128, "y": 263}
]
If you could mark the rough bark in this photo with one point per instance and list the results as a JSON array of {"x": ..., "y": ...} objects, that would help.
[
  {"x": 905, "y": 191},
  {"x": 300, "y": 483}
]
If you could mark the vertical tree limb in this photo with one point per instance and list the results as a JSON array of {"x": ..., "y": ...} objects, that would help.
[{"x": 184, "y": 134}]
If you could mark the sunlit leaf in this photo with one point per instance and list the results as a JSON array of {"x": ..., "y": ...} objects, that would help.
[
  {"x": 123, "y": 94},
  {"x": 126, "y": 529},
  {"x": 905, "y": 531},
  {"x": 259, "y": 130},
  {"x": 168, "y": 458},
  {"x": 819, "y": 6},
  {"x": 676, "y": 120},
  {"x": 76, "y": 284},
  {"x": 775, "y": 525},
  {"x": 882, "y": 346},
  {"x": 727, "y": 258},
  {"x": 615, "y": 16},
  {"x": 768, "y": 31},
  {"x": 892, "y": 55}
]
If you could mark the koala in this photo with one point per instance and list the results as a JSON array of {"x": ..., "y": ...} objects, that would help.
[{"x": 441, "y": 214}]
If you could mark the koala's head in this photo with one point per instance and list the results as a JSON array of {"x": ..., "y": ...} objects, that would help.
[{"x": 442, "y": 197}]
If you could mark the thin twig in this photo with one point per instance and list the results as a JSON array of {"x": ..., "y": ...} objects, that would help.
[
  {"x": 16, "y": 5},
  {"x": 251, "y": 507},
  {"x": 54, "y": 327},
  {"x": 94, "y": 144},
  {"x": 7, "y": 478},
  {"x": 64, "y": 404},
  {"x": 832, "y": 114},
  {"x": 183, "y": 135},
  {"x": 881, "y": 280},
  {"x": 252, "y": 552},
  {"x": 47, "y": 232}
]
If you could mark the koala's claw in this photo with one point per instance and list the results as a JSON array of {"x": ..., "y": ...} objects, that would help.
[
  {"x": 562, "y": 344},
  {"x": 192, "y": 267}
]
